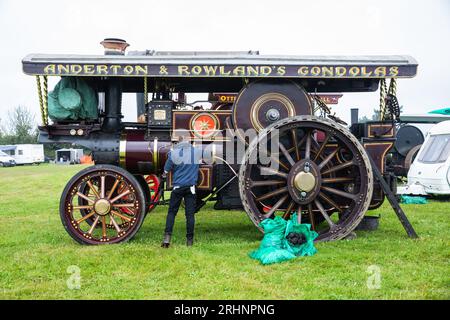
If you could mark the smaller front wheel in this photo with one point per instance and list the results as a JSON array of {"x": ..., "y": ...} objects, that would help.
[{"x": 110, "y": 210}]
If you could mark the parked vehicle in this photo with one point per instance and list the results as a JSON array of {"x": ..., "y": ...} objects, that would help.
[
  {"x": 430, "y": 172},
  {"x": 6, "y": 160},
  {"x": 25, "y": 153}
]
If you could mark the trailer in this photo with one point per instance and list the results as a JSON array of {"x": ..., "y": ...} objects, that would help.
[
  {"x": 25, "y": 153},
  {"x": 68, "y": 156},
  {"x": 430, "y": 172},
  {"x": 271, "y": 145}
]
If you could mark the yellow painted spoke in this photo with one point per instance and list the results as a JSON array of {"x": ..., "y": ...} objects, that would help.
[
  {"x": 84, "y": 197},
  {"x": 113, "y": 188},
  {"x": 94, "y": 224},
  {"x": 92, "y": 188},
  {"x": 123, "y": 194},
  {"x": 86, "y": 217},
  {"x": 120, "y": 215}
]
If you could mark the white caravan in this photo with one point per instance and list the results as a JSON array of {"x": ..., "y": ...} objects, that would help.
[
  {"x": 25, "y": 153},
  {"x": 430, "y": 172}
]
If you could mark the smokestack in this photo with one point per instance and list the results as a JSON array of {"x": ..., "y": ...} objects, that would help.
[
  {"x": 354, "y": 115},
  {"x": 114, "y": 46}
]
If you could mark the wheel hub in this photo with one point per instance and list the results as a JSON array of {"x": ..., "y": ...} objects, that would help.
[
  {"x": 102, "y": 207},
  {"x": 304, "y": 181}
]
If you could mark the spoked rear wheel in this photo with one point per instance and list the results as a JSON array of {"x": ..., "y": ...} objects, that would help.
[
  {"x": 112, "y": 209},
  {"x": 322, "y": 169}
]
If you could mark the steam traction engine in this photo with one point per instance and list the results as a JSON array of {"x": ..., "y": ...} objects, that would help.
[{"x": 322, "y": 169}]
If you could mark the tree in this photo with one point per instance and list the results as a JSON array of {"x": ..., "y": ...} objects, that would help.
[{"x": 20, "y": 127}]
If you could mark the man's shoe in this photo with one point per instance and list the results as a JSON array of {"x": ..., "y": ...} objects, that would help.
[
  {"x": 166, "y": 241},
  {"x": 189, "y": 242}
]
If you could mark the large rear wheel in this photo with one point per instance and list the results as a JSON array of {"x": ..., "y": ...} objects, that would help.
[{"x": 322, "y": 170}]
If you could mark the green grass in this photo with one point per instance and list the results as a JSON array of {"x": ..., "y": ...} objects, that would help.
[{"x": 35, "y": 253}]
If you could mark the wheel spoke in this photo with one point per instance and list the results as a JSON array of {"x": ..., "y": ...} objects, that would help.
[
  {"x": 270, "y": 171},
  {"x": 82, "y": 207},
  {"x": 93, "y": 190},
  {"x": 339, "y": 167},
  {"x": 322, "y": 147},
  {"x": 299, "y": 214},
  {"x": 308, "y": 146},
  {"x": 124, "y": 205},
  {"x": 116, "y": 226},
  {"x": 90, "y": 214},
  {"x": 294, "y": 140},
  {"x": 337, "y": 180},
  {"x": 286, "y": 154},
  {"x": 113, "y": 188},
  {"x": 324, "y": 214},
  {"x": 271, "y": 194},
  {"x": 266, "y": 183},
  {"x": 311, "y": 216},
  {"x": 104, "y": 227},
  {"x": 85, "y": 197},
  {"x": 94, "y": 224},
  {"x": 102, "y": 186},
  {"x": 287, "y": 214},
  {"x": 340, "y": 193},
  {"x": 328, "y": 158},
  {"x": 330, "y": 201},
  {"x": 123, "y": 194},
  {"x": 120, "y": 215},
  {"x": 275, "y": 207}
]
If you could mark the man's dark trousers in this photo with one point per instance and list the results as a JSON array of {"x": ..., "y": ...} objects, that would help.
[{"x": 189, "y": 202}]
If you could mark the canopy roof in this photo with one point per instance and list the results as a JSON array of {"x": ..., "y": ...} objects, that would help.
[{"x": 221, "y": 65}]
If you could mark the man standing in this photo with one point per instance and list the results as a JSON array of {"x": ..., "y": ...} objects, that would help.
[{"x": 183, "y": 160}]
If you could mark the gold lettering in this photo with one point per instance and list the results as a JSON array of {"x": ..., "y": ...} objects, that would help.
[
  {"x": 210, "y": 70},
  {"x": 115, "y": 68},
  {"x": 265, "y": 70},
  {"x": 281, "y": 70},
  {"x": 222, "y": 71},
  {"x": 252, "y": 71},
  {"x": 340, "y": 71},
  {"x": 327, "y": 71},
  {"x": 364, "y": 72},
  {"x": 380, "y": 71},
  {"x": 239, "y": 71},
  {"x": 315, "y": 71},
  {"x": 102, "y": 69},
  {"x": 63, "y": 69},
  {"x": 49, "y": 69},
  {"x": 75, "y": 68},
  {"x": 88, "y": 68},
  {"x": 183, "y": 70},
  {"x": 128, "y": 70},
  {"x": 303, "y": 71},
  {"x": 393, "y": 71},
  {"x": 141, "y": 69},
  {"x": 196, "y": 70},
  {"x": 354, "y": 71}
]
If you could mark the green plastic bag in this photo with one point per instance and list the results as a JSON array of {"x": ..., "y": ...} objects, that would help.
[
  {"x": 413, "y": 200},
  {"x": 275, "y": 247},
  {"x": 72, "y": 99}
]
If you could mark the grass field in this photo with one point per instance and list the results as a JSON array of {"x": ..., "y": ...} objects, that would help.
[{"x": 36, "y": 252}]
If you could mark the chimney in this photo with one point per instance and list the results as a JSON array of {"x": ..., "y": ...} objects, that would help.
[{"x": 114, "y": 46}]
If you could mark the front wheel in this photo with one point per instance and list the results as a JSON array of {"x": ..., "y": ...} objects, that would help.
[{"x": 110, "y": 210}]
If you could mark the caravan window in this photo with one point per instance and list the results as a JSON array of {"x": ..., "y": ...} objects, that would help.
[
  {"x": 436, "y": 150},
  {"x": 20, "y": 152}
]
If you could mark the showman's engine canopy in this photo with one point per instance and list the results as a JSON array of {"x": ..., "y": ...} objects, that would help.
[{"x": 319, "y": 168}]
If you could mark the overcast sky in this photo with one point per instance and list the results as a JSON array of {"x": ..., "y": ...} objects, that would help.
[{"x": 353, "y": 27}]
